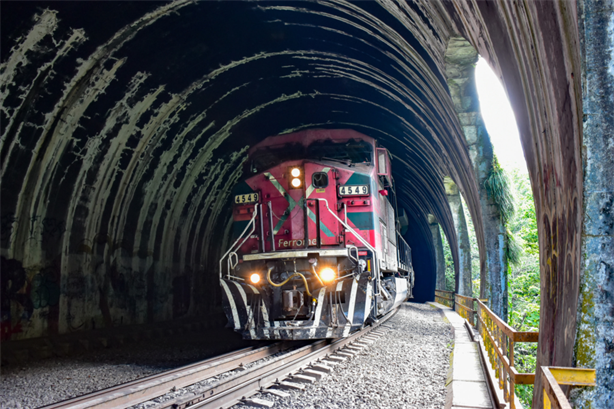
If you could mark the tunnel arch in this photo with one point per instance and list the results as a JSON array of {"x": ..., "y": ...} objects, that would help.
[{"x": 122, "y": 140}]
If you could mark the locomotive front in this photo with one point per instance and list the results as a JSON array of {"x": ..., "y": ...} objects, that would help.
[{"x": 315, "y": 252}]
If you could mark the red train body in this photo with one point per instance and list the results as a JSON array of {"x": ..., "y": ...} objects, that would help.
[{"x": 317, "y": 254}]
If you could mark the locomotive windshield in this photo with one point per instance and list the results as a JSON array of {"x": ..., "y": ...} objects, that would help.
[{"x": 349, "y": 152}]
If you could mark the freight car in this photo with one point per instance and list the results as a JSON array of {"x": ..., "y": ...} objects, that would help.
[{"x": 317, "y": 251}]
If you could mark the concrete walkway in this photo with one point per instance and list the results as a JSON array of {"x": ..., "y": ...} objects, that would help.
[{"x": 467, "y": 385}]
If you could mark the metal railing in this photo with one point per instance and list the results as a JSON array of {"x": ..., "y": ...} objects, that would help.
[
  {"x": 499, "y": 340},
  {"x": 444, "y": 298},
  {"x": 404, "y": 253},
  {"x": 376, "y": 268},
  {"x": 465, "y": 307},
  {"x": 232, "y": 260},
  {"x": 552, "y": 377}
]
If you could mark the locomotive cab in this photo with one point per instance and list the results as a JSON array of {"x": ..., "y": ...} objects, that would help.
[{"x": 316, "y": 252}]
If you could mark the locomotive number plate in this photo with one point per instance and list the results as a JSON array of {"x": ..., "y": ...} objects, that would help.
[
  {"x": 354, "y": 190},
  {"x": 248, "y": 198}
]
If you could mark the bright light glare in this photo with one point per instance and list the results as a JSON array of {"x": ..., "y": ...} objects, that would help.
[
  {"x": 254, "y": 278},
  {"x": 327, "y": 274},
  {"x": 296, "y": 182},
  {"x": 296, "y": 172},
  {"x": 498, "y": 117}
]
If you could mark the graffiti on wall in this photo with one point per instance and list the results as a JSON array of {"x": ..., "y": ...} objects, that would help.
[{"x": 23, "y": 292}]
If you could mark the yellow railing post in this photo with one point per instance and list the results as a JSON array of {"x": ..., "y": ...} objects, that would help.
[
  {"x": 553, "y": 377},
  {"x": 499, "y": 341}
]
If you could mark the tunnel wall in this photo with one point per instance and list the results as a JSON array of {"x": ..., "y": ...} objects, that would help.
[
  {"x": 124, "y": 131},
  {"x": 595, "y": 335}
]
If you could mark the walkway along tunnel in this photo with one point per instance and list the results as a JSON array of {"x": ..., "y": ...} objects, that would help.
[{"x": 124, "y": 129}]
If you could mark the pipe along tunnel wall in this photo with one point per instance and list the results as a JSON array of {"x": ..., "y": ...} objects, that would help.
[{"x": 124, "y": 128}]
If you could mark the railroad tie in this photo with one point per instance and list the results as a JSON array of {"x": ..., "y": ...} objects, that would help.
[
  {"x": 330, "y": 362},
  {"x": 290, "y": 385},
  {"x": 337, "y": 358},
  {"x": 261, "y": 403},
  {"x": 277, "y": 392},
  {"x": 313, "y": 373},
  {"x": 300, "y": 378},
  {"x": 345, "y": 354},
  {"x": 321, "y": 367}
]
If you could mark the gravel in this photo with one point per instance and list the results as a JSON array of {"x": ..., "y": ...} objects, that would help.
[
  {"x": 405, "y": 368},
  {"x": 53, "y": 380}
]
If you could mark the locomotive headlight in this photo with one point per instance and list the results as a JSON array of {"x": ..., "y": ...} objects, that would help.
[
  {"x": 327, "y": 275},
  {"x": 296, "y": 182},
  {"x": 295, "y": 172},
  {"x": 254, "y": 278}
]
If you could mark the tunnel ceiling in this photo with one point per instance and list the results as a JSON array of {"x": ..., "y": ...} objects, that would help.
[{"x": 126, "y": 124}]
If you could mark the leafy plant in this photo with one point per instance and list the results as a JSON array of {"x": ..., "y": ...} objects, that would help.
[
  {"x": 447, "y": 255},
  {"x": 524, "y": 281},
  {"x": 499, "y": 190},
  {"x": 497, "y": 186}
]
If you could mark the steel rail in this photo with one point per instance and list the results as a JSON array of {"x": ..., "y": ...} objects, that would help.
[
  {"x": 222, "y": 393},
  {"x": 232, "y": 390},
  {"x": 141, "y": 390}
]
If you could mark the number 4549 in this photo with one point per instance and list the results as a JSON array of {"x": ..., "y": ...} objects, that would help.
[{"x": 354, "y": 190}]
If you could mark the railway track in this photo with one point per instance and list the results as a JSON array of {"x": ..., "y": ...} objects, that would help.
[{"x": 244, "y": 375}]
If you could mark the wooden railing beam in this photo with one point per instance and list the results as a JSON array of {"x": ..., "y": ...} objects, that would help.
[{"x": 500, "y": 339}]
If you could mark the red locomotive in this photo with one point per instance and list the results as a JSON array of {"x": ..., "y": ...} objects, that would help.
[{"x": 316, "y": 252}]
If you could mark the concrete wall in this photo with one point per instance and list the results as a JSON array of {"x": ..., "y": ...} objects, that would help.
[
  {"x": 460, "y": 71},
  {"x": 595, "y": 336},
  {"x": 439, "y": 257},
  {"x": 464, "y": 283}
]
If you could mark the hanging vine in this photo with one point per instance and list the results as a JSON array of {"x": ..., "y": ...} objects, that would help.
[{"x": 499, "y": 189}]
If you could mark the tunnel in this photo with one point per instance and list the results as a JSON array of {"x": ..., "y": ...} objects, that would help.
[{"x": 125, "y": 127}]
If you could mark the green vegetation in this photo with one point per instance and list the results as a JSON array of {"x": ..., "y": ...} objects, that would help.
[
  {"x": 499, "y": 189},
  {"x": 447, "y": 255},
  {"x": 524, "y": 280}
]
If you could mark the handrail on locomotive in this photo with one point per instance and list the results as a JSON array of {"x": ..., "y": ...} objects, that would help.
[{"x": 230, "y": 251}]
